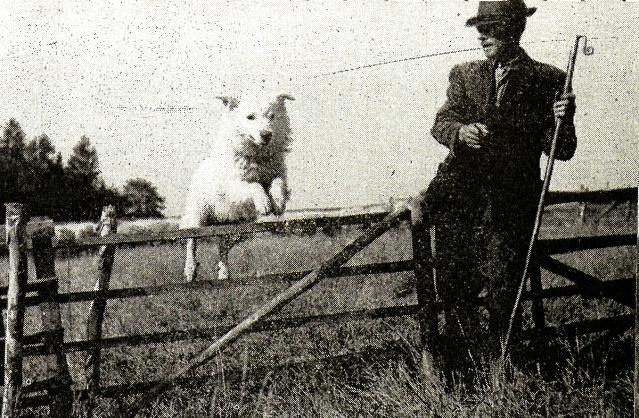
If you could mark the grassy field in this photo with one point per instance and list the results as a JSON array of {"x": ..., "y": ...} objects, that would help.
[{"x": 370, "y": 387}]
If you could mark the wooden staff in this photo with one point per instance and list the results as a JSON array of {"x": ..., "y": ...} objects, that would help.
[{"x": 588, "y": 50}]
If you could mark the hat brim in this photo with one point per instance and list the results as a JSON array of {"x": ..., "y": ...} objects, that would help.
[{"x": 477, "y": 20}]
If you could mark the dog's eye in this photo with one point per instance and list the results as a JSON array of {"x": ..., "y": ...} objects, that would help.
[
  {"x": 251, "y": 116},
  {"x": 271, "y": 116}
]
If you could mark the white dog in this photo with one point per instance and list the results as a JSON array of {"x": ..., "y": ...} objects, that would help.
[{"x": 244, "y": 176}]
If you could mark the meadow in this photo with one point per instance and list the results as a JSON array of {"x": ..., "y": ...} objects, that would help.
[{"x": 566, "y": 384}]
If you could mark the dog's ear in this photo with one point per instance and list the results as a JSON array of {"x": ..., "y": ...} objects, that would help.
[
  {"x": 285, "y": 96},
  {"x": 228, "y": 101}
]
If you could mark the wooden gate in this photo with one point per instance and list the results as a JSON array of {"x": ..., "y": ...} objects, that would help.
[{"x": 58, "y": 391}]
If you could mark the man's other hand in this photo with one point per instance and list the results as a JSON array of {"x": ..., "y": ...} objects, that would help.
[
  {"x": 564, "y": 106},
  {"x": 472, "y": 135}
]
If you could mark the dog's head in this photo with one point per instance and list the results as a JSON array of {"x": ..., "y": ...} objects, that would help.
[{"x": 257, "y": 122}]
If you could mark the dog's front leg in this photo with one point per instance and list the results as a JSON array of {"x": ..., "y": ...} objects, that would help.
[
  {"x": 260, "y": 199},
  {"x": 279, "y": 195},
  {"x": 192, "y": 219},
  {"x": 224, "y": 246},
  {"x": 190, "y": 266}
]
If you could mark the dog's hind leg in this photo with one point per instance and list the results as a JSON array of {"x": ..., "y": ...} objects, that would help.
[
  {"x": 225, "y": 244},
  {"x": 190, "y": 266}
]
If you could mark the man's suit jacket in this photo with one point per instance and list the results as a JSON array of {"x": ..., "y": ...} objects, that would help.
[{"x": 506, "y": 168}]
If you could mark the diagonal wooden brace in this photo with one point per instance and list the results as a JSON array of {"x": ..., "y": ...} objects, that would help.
[{"x": 590, "y": 283}]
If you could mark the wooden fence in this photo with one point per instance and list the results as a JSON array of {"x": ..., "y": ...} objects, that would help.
[{"x": 58, "y": 392}]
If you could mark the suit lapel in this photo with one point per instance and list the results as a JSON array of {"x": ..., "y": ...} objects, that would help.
[{"x": 520, "y": 86}]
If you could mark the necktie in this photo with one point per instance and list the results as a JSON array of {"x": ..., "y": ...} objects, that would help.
[{"x": 501, "y": 80}]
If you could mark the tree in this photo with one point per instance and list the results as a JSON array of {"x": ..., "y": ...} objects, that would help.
[
  {"x": 43, "y": 185},
  {"x": 83, "y": 163},
  {"x": 142, "y": 199},
  {"x": 13, "y": 137},
  {"x": 40, "y": 151},
  {"x": 33, "y": 173},
  {"x": 82, "y": 181},
  {"x": 56, "y": 184},
  {"x": 15, "y": 174}
]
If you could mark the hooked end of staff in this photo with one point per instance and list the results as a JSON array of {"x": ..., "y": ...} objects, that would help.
[{"x": 587, "y": 49}]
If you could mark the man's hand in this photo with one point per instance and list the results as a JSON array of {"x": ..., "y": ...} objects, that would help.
[
  {"x": 472, "y": 135},
  {"x": 564, "y": 106}
]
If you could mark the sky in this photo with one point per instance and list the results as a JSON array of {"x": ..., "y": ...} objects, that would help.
[{"x": 139, "y": 78}]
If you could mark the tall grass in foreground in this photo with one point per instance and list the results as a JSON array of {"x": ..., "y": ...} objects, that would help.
[
  {"x": 395, "y": 391},
  {"x": 398, "y": 388}
]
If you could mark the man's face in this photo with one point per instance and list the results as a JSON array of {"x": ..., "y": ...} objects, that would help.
[{"x": 496, "y": 39}]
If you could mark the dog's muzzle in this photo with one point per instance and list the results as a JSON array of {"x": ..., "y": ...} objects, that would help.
[{"x": 266, "y": 136}]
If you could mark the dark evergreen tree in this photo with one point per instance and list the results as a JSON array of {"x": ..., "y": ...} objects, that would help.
[
  {"x": 15, "y": 175},
  {"x": 44, "y": 191},
  {"x": 32, "y": 173},
  {"x": 57, "y": 186},
  {"x": 82, "y": 181},
  {"x": 83, "y": 163}
]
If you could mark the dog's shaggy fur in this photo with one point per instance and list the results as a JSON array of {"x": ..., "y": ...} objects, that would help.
[{"x": 244, "y": 176}]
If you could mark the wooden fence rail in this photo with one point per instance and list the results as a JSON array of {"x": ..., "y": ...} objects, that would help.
[
  {"x": 279, "y": 278},
  {"x": 33, "y": 343},
  {"x": 593, "y": 196},
  {"x": 217, "y": 331},
  {"x": 591, "y": 284},
  {"x": 274, "y": 278},
  {"x": 50, "y": 342},
  {"x": 556, "y": 197},
  {"x": 274, "y": 227},
  {"x": 569, "y": 245}
]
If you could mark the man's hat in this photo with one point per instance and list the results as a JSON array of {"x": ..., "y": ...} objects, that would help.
[{"x": 500, "y": 11}]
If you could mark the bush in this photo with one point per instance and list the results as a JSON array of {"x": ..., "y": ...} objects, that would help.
[
  {"x": 67, "y": 241},
  {"x": 157, "y": 228},
  {"x": 87, "y": 232},
  {"x": 65, "y": 237}
]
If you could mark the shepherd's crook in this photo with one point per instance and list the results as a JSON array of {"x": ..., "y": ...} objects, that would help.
[{"x": 588, "y": 50}]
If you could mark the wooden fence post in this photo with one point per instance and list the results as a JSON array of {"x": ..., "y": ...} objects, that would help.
[
  {"x": 537, "y": 307},
  {"x": 16, "y": 222},
  {"x": 191, "y": 264},
  {"x": 423, "y": 241},
  {"x": 582, "y": 212},
  {"x": 107, "y": 226},
  {"x": 60, "y": 392}
]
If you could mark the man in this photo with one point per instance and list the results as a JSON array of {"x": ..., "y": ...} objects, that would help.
[{"x": 498, "y": 118}]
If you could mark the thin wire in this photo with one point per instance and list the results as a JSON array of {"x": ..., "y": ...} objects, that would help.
[
  {"x": 434, "y": 54},
  {"x": 377, "y": 64}
]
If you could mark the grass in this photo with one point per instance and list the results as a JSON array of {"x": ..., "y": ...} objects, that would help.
[{"x": 395, "y": 387}]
